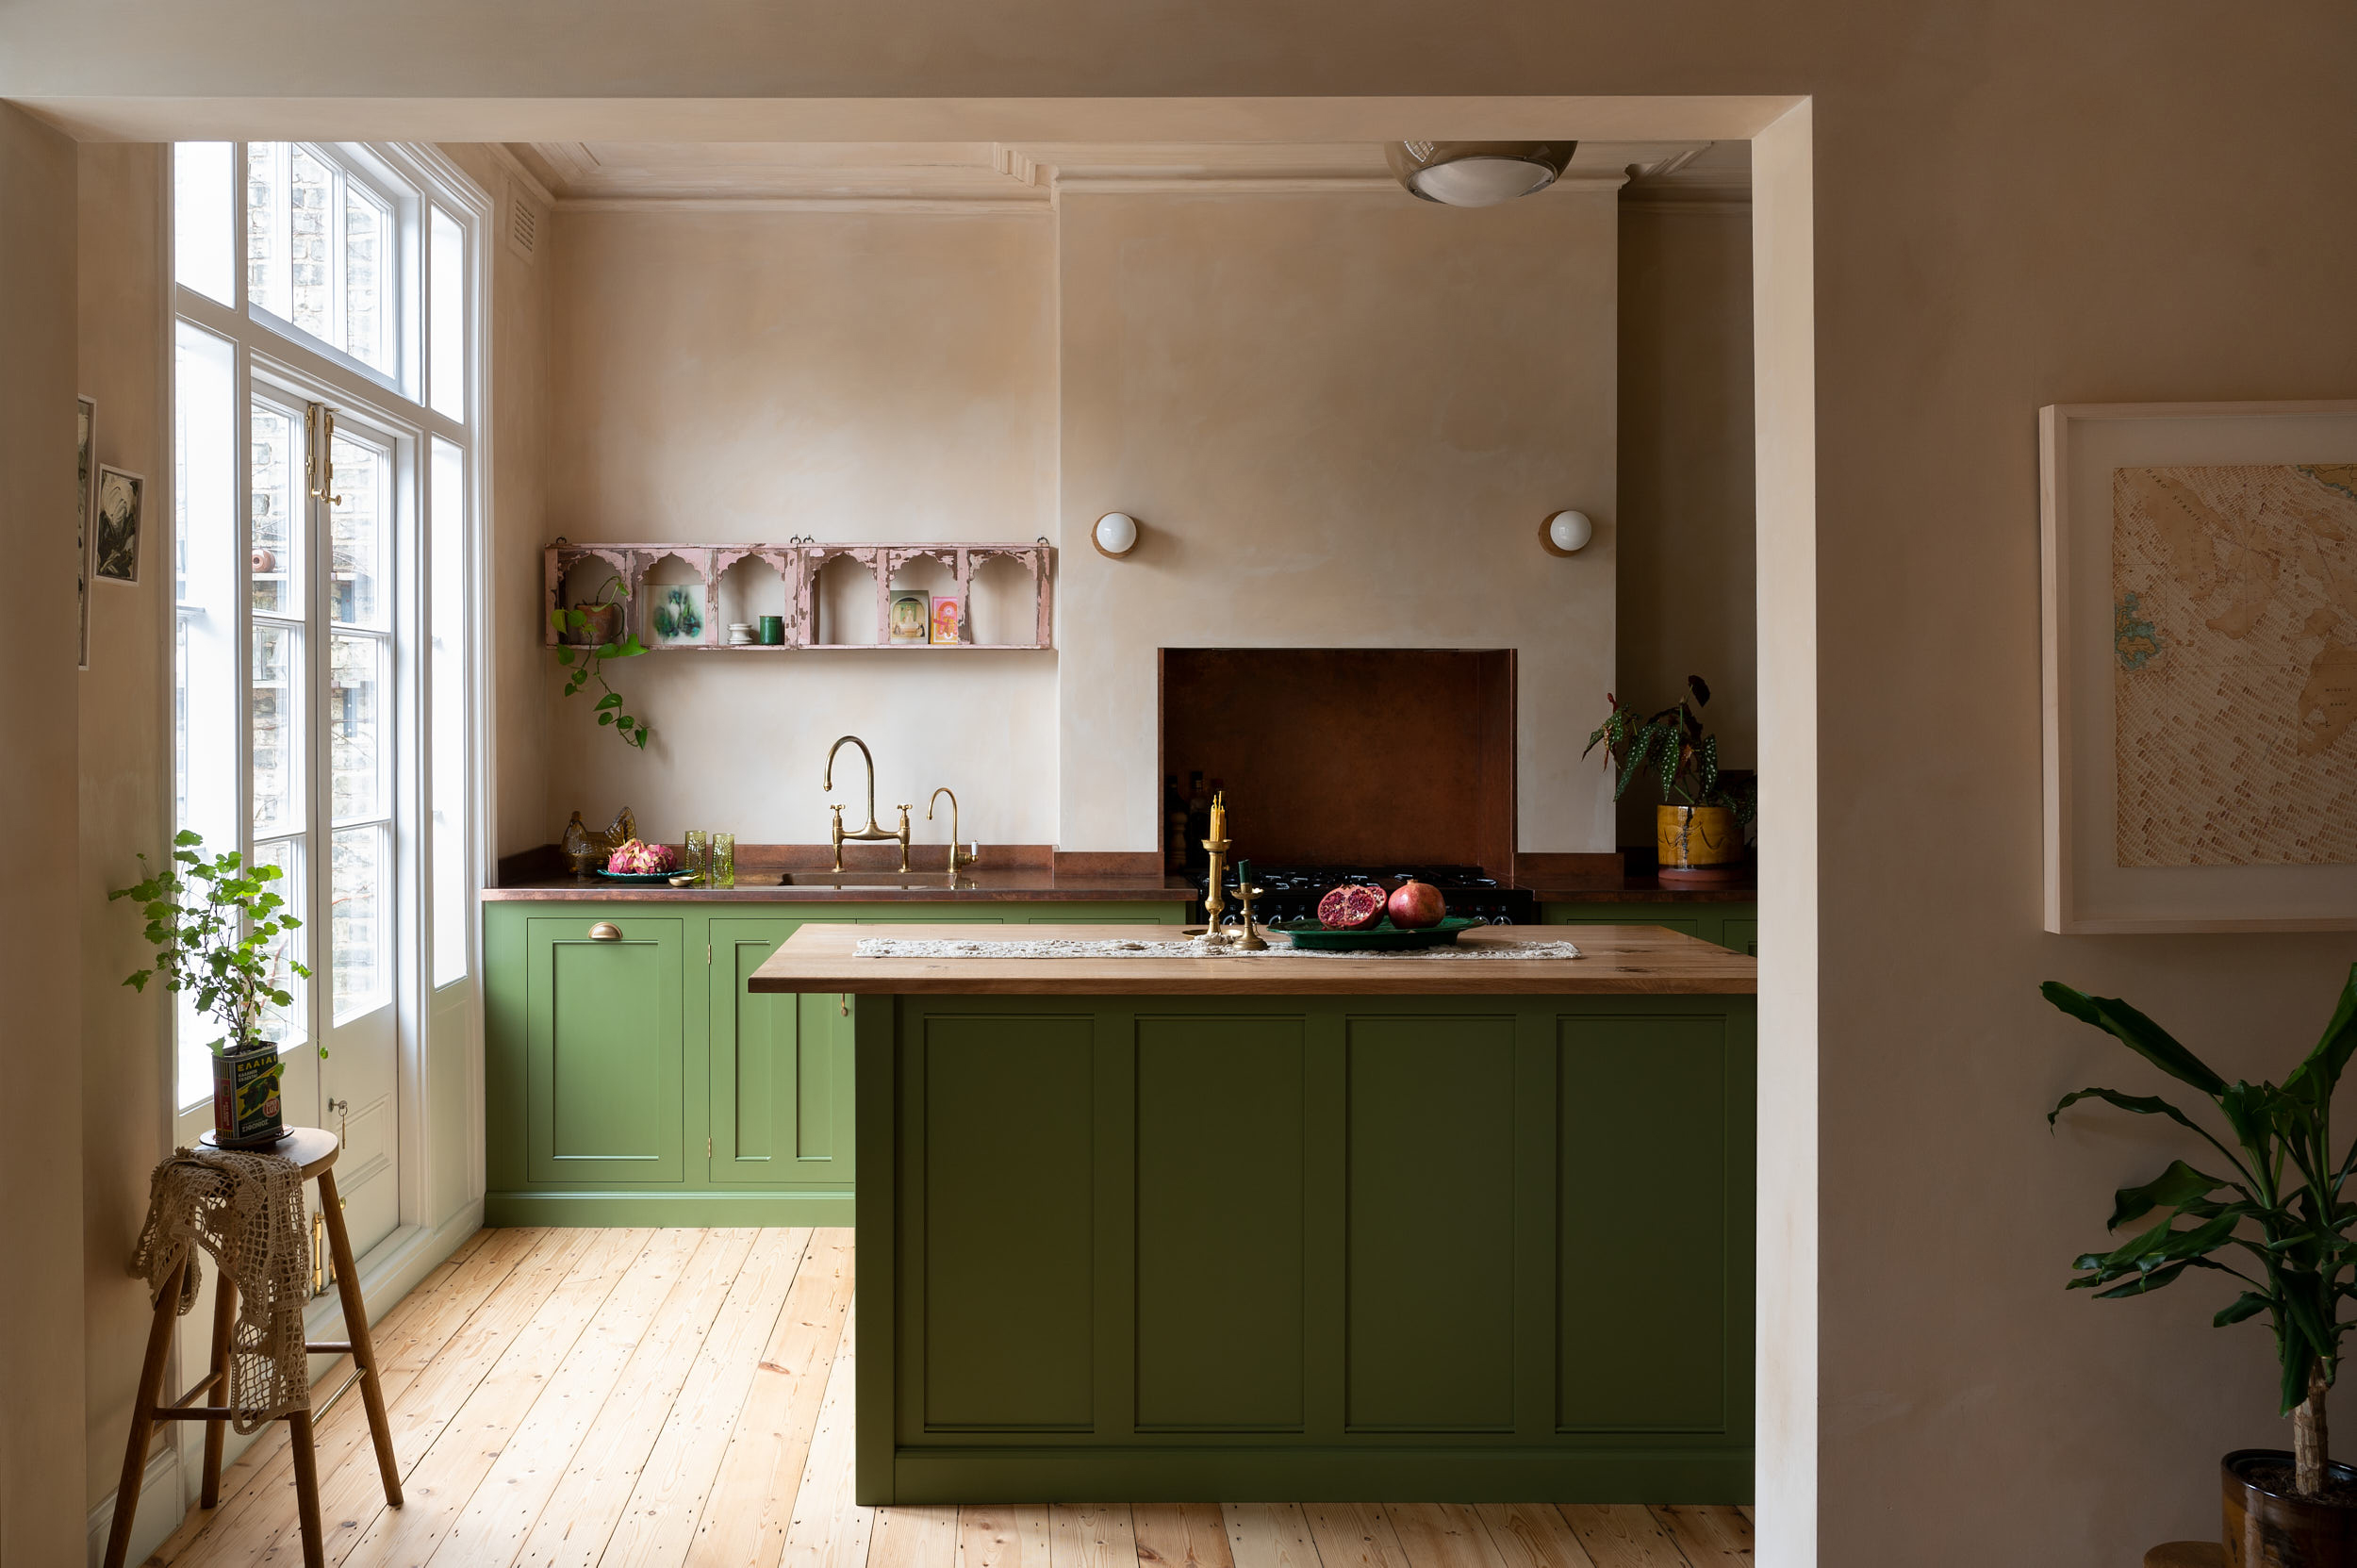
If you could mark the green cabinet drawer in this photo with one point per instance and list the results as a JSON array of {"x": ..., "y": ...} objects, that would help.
[
  {"x": 603, "y": 1060},
  {"x": 780, "y": 1070}
]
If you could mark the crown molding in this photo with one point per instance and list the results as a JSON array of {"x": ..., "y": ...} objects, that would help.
[
  {"x": 521, "y": 173},
  {"x": 976, "y": 206}
]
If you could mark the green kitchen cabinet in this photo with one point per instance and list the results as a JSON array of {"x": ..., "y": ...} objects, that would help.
[
  {"x": 780, "y": 1070},
  {"x": 1733, "y": 926},
  {"x": 602, "y": 1058},
  {"x": 629, "y": 1078}
]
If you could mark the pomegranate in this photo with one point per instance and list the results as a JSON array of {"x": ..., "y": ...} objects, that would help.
[
  {"x": 1417, "y": 904},
  {"x": 1353, "y": 906}
]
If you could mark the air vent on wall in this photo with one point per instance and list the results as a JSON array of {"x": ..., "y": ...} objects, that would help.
[{"x": 523, "y": 225}]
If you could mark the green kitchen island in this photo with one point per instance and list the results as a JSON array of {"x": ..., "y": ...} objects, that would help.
[{"x": 1283, "y": 1227}]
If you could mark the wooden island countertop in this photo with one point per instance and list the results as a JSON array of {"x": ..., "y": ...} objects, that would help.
[{"x": 1615, "y": 961}]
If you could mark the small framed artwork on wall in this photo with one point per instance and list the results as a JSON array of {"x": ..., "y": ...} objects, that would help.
[
  {"x": 115, "y": 547},
  {"x": 912, "y": 616},
  {"x": 2200, "y": 633},
  {"x": 84, "y": 503},
  {"x": 946, "y": 620}
]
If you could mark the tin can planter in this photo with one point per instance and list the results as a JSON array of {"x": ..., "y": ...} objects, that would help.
[
  {"x": 1698, "y": 844},
  {"x": 245, "y": 1098},
  {"x": 2267, "y": 1525},
  {"x": 604, "y": 626}
]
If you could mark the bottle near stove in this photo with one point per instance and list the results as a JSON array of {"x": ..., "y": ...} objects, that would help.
[
  {"x": 1198, "y": 821},
  {"x": 1174, "y": 825}
]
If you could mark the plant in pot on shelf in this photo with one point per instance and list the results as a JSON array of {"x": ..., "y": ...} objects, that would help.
[
  {"x": 220, "y": 932},
  {"x": 593, "y": 632},
  {"x": 1700, "y": 826},
  {"x": 2273, "y": 1217}
]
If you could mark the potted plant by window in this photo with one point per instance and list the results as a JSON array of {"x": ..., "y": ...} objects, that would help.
[
  {"x": 2273, "y": 1218},
  {"x": 1700, "y": 826},
  {"x": 220, "y": 932}
]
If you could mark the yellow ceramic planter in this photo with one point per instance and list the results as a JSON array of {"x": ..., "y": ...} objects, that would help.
[{"x": 1690, "y": 836}]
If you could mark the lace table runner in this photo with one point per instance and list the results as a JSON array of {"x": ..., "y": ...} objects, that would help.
[{"x": 895, "y": 947}]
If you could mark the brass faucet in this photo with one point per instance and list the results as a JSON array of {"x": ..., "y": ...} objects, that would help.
[
  {"x": 957, "y": 856},
  {"x": 872, "y": 833}
]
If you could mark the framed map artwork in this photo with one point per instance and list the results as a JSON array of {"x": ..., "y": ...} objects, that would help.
[{"x": 2200, "y": 629}]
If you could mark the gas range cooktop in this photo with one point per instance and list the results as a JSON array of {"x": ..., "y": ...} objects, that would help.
[{"x": 1292, "y": 891}]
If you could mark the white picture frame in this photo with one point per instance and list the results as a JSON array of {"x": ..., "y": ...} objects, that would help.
[
  {"x": 2082, "y": 449},
  {"x": 85, "y": 514}
]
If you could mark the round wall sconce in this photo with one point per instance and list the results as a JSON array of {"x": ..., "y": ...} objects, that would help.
[
  {"x": 1566, "y": 532},
  {"x": 1115, "y": 534}
]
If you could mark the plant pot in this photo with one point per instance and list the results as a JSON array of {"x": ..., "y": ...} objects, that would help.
[
  {"x": 2268, "y": 1527},
  {"x": 245, "y": 1098},
  {"x": 1698, "y": 843},
  {"x": 604, "y": 626}
]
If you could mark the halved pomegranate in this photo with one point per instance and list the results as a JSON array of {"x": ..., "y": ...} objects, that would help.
[{"x": 1353, "y": 906}]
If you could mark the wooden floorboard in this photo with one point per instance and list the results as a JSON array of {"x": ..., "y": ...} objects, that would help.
[{"x": 684, "y": 1400}]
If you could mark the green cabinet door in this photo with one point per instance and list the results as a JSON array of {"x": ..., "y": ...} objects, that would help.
[
  {"x": 603, "y": 1064},
  {"x": 780, "y": 1070}
]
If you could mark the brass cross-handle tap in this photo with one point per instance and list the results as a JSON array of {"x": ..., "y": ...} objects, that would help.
[
  {"x": 959, "y": 853},
  {"x": 874, "y": 832}
]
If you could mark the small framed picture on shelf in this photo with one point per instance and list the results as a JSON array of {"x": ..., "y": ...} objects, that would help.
[
  {"x": 912, "y": 615},
  {"x": 116, "y": 547},
  {"x": 946, "y": 615}
]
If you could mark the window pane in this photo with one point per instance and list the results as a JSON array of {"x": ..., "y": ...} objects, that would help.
[
  {"x": 286, "y": 1025},
  {"x": 267, "y": 199},
  {"x": 358, "y": 877},
  {"x": 275, "y": 716},
  {"x": 447, "y": 353},
  {"x": 354, "y": 726},
  {"x": 355, "y": 531},
  {"x": 276, "y": 440},
  {"x": 454, "y": 893},
  {"x": 202, "y": 203},
  {"x": 205, "y": 664},
  {"x": 311, "y": 186},
  {"x": 368, "y": 230}
]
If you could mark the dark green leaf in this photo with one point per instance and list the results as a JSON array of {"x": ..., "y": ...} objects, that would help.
[
  {"x": 2318, "y": 1075},
  {"x": 2144, "y": 1284},
  {"x": 2143, "y": 1105},
  {"x": 2138, "y": 1033},
  {"x": 2178, "y": 1185},
  {"x": 2249, "y": 1304}
]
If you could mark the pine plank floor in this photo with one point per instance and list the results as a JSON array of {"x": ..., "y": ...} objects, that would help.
[{"x": 681, "y": 1398}]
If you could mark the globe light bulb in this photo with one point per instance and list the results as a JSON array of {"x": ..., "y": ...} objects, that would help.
[
  {"x": 1569, "y": 531},
  {"x": 1116, "y": 533}
]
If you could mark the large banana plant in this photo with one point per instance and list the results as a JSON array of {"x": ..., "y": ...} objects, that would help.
[{"x": 2274, "y": 1220}]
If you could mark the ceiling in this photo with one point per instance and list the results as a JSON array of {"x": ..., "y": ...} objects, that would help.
[{"x": 962, "y": 174}]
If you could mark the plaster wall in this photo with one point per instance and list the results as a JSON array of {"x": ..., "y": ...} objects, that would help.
[
  {"x": 1342, "y": 419},
  {"x": 1687, "y": 583},
  {"x": 519, "y": 737},
  {"x": 44, "y": 1468},
  {"x": 763, "y": 375},
  {"x": 125, "y": 332}
]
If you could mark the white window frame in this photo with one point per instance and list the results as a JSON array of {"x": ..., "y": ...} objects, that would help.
[{"x": 271, "y": 351}]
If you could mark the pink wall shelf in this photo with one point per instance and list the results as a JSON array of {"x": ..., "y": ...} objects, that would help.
[{"x": 794, "y": 592}]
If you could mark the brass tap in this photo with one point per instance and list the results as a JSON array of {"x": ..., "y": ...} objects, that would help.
[
  {"x": 958, "y": 856},
  {"x": 873, "y": 833}
]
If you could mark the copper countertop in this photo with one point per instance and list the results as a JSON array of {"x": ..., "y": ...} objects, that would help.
[{"x": 1014, "y": 884}]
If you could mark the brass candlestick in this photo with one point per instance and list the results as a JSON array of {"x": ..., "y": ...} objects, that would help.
[
  {"x": 1215, "y": 897},
  {"x": 1251, "y": 941}
]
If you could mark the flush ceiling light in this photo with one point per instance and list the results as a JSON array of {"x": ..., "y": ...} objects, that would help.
[
  {"x": 1478, "y": 173},
  {"x": 1115, "y": 534}
]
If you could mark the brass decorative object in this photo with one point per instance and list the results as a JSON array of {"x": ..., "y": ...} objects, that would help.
[
  {"x": 874, "y": 832},
  {"x": 1251, "y": 941},
  {"x": 581, "y": 854},
  {"x": 621, "y": 830},
  {"x": 958, "y": 856}
]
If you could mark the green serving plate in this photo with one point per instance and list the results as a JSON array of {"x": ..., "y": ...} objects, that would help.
[
  {"x": 1382, "y": 936},
  {"x": 645, "y": 879}
]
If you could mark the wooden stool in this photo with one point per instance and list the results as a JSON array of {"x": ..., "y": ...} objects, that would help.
[{"x": 315, "y": 1150}]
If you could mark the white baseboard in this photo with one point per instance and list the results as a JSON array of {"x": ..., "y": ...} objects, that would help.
[
  {"x": 161, "y": 1508},
  {"x": 389, "y": 1272}
]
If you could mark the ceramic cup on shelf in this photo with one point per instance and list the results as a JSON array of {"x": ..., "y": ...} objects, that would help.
[
  {"x": 740, "y": 634},
  {"x": 772, "y": 631}
]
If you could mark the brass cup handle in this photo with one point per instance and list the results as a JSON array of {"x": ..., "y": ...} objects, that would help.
[{"x": 606, "y": 931}]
